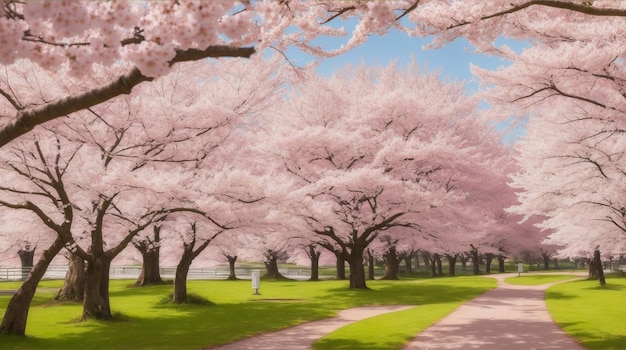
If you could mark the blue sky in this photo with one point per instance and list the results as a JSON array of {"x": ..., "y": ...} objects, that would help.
[{"x": 452, "y": 61}]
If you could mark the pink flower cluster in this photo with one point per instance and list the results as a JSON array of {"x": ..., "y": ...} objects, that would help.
[{"x": 80, "y": 34}]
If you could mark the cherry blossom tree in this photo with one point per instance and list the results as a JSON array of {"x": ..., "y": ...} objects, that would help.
[
  {"x": 574, "y": 179},
  {"x": 105, "y": 210},
  {"x": 37, "y": 186},
  {"x": 372, "y": 151},
  {"x": 122, "y": 153}
]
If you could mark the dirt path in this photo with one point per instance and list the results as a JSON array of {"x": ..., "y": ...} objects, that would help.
[
  {"x": 304, "y": 335},
  {"x": 509, "y": 317}
]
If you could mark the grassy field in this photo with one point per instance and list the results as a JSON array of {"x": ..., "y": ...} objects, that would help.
[
  {"x": 146, "y": 323},
  {"x": 588, "y": 312},
  {"x": 591, "y": 313}
]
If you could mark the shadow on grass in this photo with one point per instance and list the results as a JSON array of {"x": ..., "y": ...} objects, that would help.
[
  {"x": 597, "y": 340},
  {"x": 556, "y": 295},
  {"x": 410, "y": 293}
]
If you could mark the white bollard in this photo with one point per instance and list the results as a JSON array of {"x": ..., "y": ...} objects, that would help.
[{"x": 256, "y": 281}]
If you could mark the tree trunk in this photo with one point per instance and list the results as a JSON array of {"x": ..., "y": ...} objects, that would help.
[
  {"x": 271, "y": 266},
  {"x": 501, "y": 263},
  {"x": 16, "y": 313},
  {"x": 357, "y": 269},
  {"x": 438, "y": 262},
  {"x": 593, "y": 271},
  {"x": 488, "y": 259},
  {"x": 408, "y": 262},
  {"x": 370, "y": 266},
  {"x": 417, "y": 260},
  {"x": 475, "y": 260},
  {"x": 391, "y": 264},
  {"x": 426, "y": 258},
  {"x": 314, "y": 255},
  {"x": 546, "y": 261},
  {"x": 464, "y": 259},
  {"x": 555, "y": 263},
  {"x": 150, "y": 256},
  {"x": 599, "y": 269},
  {"x": 74, "y": 285},
  {"x": 180, "y": 279},
  {"x": 232, "y": 259},
  {"x": 27, "y": 257},
  {"x": 433, "y": 265},
  {"x": 451, "y": 264},
  {"x": 340, "y": 266},
  {"x": 96, "y": 298}
]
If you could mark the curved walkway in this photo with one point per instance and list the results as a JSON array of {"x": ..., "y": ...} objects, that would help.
[
  {"x": 304, "y": 335},
  {"x": 509, "y": 317}
]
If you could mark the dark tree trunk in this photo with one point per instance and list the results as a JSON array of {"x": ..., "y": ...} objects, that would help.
[
  {"x": 451, "y": 264},
  {"x": 408, "y": 262},
  {"x": 96, "y": 298},
  {"x": 426, "y": 258},
  {"x": 391, "y": 264},
  {"x": 433, "y": 264},
  {"x": 488, "y": 259},
  {"x": 417, "y": 260},
  {"x": 340, "y": 266},
  {"x": 475, "y": 260},
  {"x": 27, "y": 256},
  {"x": 182, "y": 269},
  {"x": 599, "y": 268},
  {"x": 16, "y": 313},
  {"x": 74, "y": 285},
  {"x": 370, "y": 266},
  {"x": 438, "y": 262},
  {"x": 464, "y": 259},
  {"x": 357, "y": 270},
  {"x": 501, "y": 263},
  {"x": 271, "y": 266},
  {"x": 150, "y": 256},
  {"x": 232, "y": 259},
  {"x": 150, "y": 268},
  {"x": 314, "y": 255},
  {"x": 180, "y": 279},
  {"x": 593, "y": 271},
  {"x": 546, "y": 261}
]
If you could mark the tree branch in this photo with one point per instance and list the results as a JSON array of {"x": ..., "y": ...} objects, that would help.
[
  {"x": 26, "y": 119},
  {"x": 565, "y": 5}
]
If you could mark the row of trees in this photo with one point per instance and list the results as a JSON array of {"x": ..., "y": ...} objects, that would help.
[{"x": 378, "y": 158}]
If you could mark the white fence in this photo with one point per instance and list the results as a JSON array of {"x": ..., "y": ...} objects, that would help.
[{"x": 131, "y": 272}]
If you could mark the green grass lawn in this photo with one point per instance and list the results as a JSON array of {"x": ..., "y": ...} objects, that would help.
[
  {"x": 537, "y": 279},
  {"x": 236, "y": 313},
  {"x": 591, "y": 313}
]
